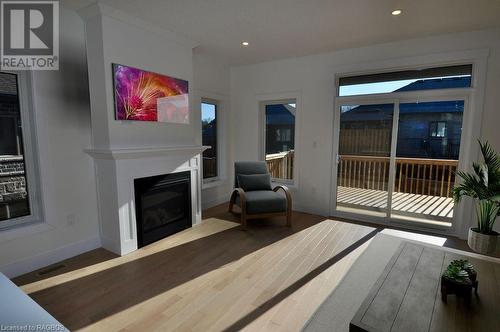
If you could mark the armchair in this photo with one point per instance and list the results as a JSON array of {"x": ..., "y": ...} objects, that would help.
[{"x": 255, "y": 196}]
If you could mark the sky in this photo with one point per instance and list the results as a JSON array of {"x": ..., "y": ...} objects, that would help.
[
  {"x": 207, "y": 112},
  {"x": 370, "y": 88},
  {"x": 380, "y": 87}
]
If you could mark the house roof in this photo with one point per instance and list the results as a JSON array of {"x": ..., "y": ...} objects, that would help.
[
  {"x": 383, "y": 111},
  {"x": 438, "y": 83},
  {"x": 279, "y": 114}
]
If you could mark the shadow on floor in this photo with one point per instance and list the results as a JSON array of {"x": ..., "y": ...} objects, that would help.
[{"x": 83, "y": 301}]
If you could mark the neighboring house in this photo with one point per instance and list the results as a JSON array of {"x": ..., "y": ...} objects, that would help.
[
  {"x": 209, "y": 136},
  {"x": 13, "y": 194},
  {"x": 280, "y": 128}
]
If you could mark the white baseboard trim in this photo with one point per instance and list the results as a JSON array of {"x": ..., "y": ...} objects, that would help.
[
  {"x": 205, "y": 204},
  {"x": 299, "y": 208},
  {"x": 111, "y": 245},
  {"x": 38, "y": 261},
  {"x": 296, "y": 207},
  {"x": 309, "y": 209}
]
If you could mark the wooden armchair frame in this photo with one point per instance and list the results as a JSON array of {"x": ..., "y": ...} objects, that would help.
[{"x": 244, "y": 216}]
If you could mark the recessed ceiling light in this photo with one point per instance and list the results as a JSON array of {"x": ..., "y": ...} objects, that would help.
[
  {"x": 396, "y": 12},
  {"x": 245, "y": 43}
]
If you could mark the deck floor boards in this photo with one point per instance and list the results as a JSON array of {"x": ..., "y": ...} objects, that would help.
[{"x": 410, "y": 204}]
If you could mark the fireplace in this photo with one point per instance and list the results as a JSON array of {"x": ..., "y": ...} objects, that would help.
[{"x": 163, "y": 206}]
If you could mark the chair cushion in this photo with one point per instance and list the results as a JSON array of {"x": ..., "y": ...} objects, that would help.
[
  {"x": 264, "y": 201},
  {"x": 248, "y": 167},
  {"x": 255, "y": 182}
]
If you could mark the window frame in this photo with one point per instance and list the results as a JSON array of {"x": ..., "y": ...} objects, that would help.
[
  {"x": 463, "y": 95},
  {"x": 415, "y": 72},
  {"x": 287, "y": 99},
  {"x": 216, "y": 103},
  {"x": 30, "y": 153},
  {"x": 473, "y": 111}
]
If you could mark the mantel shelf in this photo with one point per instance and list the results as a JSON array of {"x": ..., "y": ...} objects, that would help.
[{"x": 135, "y": 153}]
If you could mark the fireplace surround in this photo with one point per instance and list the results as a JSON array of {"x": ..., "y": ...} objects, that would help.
[{"x": 116, "y": 172}]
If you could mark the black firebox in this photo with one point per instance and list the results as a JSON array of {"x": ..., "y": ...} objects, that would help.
[{"x": 163, "y": 206}]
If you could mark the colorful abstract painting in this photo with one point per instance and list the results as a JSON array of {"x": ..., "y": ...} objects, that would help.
[{"x": 145, "y": 96}]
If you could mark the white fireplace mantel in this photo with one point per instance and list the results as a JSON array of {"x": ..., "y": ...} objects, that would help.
[
  {"x": 133, "y": 153},
  {"x": 116, "y": 170}
]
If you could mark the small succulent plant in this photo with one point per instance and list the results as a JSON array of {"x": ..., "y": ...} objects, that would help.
[{"x": 460, "y": 271}]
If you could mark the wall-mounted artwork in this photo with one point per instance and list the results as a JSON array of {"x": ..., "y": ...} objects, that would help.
[{"x": 141, "y": 95}]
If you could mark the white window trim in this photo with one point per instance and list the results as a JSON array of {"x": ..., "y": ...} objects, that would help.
[
  {"x": 221, "y": 101},
  {"x": 473, "y": 109},
  {"x": 274, "y": 98},
  {"x": 31, "y": 162}
]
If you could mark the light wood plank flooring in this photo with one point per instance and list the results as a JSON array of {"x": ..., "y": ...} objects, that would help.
[
  {"x": 211, "y": 277},
  {"x": 439, "y": 208}
]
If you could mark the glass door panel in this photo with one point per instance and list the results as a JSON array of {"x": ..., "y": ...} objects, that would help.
[
  {"x": 427, "y": 153},
  {"x": 364, "y": 158}
]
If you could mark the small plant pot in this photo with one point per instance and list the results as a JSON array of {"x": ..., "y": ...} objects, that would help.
[
  {"x": 449, "y": 287},
  {"x": 482, "y": 243}
]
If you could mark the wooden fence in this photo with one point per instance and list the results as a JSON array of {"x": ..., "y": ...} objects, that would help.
[
  {"x": 364, "y": 141},
  {"x": 280, "y": 165},
  {"x": 434, "y": 177},
  {"x": 209, "y": 167}
]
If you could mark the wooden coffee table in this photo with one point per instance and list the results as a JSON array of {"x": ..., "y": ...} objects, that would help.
[{"x": 407, "y": 295}]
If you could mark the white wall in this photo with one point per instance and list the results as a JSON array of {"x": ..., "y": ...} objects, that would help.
[
  {"x": 62, "y": 111},
  {"x": 113, "y": 37},
  {"x": 212, "y": 80},
  {"x": 313, "y": 77}
]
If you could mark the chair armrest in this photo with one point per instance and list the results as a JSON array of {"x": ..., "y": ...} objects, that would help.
[
  {"x": 287, "y": 194},
  {"x": 241, "y": 193},
  {"x": 285, "y": 190}
]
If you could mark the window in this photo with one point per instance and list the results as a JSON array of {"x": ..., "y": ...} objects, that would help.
[
  {"x": 279, "y": 151},
  {"x": 437, "y": 128},
  {"x": 409, "y": 80},
  {"x": 14, "y": 193},
  {"x": 209, "y": 138}
]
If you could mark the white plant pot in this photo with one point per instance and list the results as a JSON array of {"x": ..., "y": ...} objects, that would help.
[{"x": 482, "y": 243}]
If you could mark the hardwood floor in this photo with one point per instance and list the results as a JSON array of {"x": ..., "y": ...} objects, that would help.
[{"x": 211, "y": 277}]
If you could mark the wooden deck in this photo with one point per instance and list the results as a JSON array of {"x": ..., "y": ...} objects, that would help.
[{"x": 415, "y": 205}]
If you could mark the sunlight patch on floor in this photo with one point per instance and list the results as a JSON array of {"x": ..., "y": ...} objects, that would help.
[{"x": 431, "y": 239}]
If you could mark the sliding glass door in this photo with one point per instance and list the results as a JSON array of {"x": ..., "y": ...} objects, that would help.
[
  {"x": 427, "y": 154},
  {"x": 399, "y": 138},
  {"x": 398, "y": 160},
  {"x": 364, "y": 158}
]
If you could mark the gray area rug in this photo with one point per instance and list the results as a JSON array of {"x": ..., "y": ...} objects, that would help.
[{"x": 340, "y": 306}]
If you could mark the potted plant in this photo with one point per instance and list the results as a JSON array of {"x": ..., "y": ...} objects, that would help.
[
  {"x": 459, "y": 279},
  {"x": 483, "y": 185}
]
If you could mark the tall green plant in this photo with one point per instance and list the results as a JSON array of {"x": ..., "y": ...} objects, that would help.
[{"x": 483, "y": 184}]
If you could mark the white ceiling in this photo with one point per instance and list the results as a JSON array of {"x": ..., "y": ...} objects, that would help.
[{"x": 279, "y": 29}]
